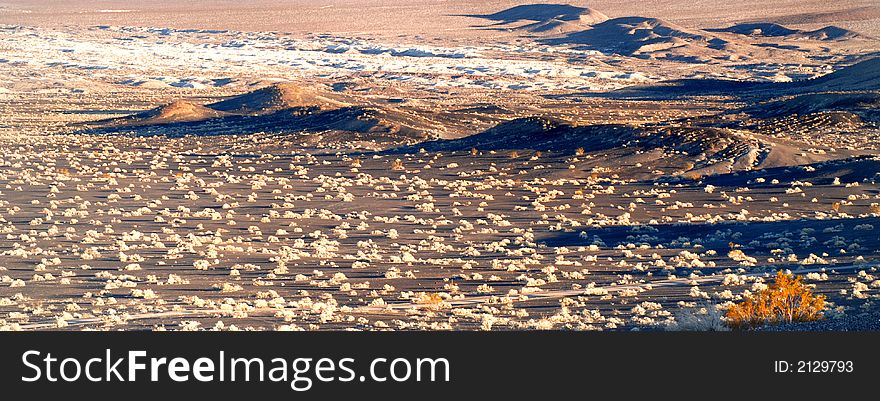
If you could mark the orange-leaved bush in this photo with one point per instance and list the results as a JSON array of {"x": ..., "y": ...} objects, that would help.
[{"x": 786, "y": 300}]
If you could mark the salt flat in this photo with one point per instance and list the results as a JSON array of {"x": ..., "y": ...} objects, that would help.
[{"x": 415, "y": 166}]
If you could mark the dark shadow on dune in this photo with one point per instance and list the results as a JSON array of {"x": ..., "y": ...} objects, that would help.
[
  {"x": 532, "y": 133},
  {"x": 587, "y": 29},
  {"x": 545, "y": 134},
  {"x": 757, "y": 29},
  {"x": 859, "y": 77},
  {"x": 851, "y": 169},
  {"x": 630, "y": 35},
  {"x": 540, "y": 18},
  {"x": 800, "y": 237},
  {"x": 781, "y": 47},
  {"x": 533, "y": 12},
  {"x": 690, "y": 87},
  {"x": 769, "y": 29},
  {"x": 865, "y": 105}
]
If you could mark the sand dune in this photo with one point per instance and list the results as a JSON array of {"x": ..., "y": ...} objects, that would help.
[
  {"x": 542, "y": 12},
  {"x": 697, "y": 150},
  {"x": 267, "y": 100},
  {"x": 284, "y": 108},
  {"x": 864, "y": 75},
  {"x": 544, "y": 18},
  {"x": 183, "y": 111},
  {"x": 768, "y": 29},
  {"x": 646, "y": 37},
  {"x": 175, "y": 112},
  {"x": 273, "y": 98}
]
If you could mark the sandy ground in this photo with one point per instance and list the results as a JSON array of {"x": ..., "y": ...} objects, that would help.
[
  {"x": 425, "y": 174},
  {"x": 415, "y": 17},
  {"x": 126, "y": 233}
]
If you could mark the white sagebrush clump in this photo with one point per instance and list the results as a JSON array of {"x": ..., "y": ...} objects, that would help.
[
  {"x": 742, "y": 258},
  {"x": 145, "y": 294},
  {"x": 813, "y": 260},
  {"x": 707, "y": 317},
  {"x": 817, "y": 276}
]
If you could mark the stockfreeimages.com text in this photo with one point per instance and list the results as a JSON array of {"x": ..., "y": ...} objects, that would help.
[{"x": 301, "y": 373}]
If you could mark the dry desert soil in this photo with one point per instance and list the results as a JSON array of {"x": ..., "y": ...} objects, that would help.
[{"x": 422, "y": 165}]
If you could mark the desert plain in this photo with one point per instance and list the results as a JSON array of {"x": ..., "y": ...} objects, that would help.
[{"x": 420, "y": 165}]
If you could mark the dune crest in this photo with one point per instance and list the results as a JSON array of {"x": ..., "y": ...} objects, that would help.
[
  {"x": 273, "y": 98},
  {"x": 174, "y": 112}
]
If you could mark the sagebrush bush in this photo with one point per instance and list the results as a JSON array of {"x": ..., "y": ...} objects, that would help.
[
  {"x": 703, "y": 318},
  {"x": 787, "y": 300}
]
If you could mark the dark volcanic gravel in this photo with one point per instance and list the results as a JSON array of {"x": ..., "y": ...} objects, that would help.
[{"x": 864, "y": 321}]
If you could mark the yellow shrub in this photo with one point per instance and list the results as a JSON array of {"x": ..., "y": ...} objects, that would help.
[
  {"x": 787, "y": 300},
  {"x": 397, "y": 165}
]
